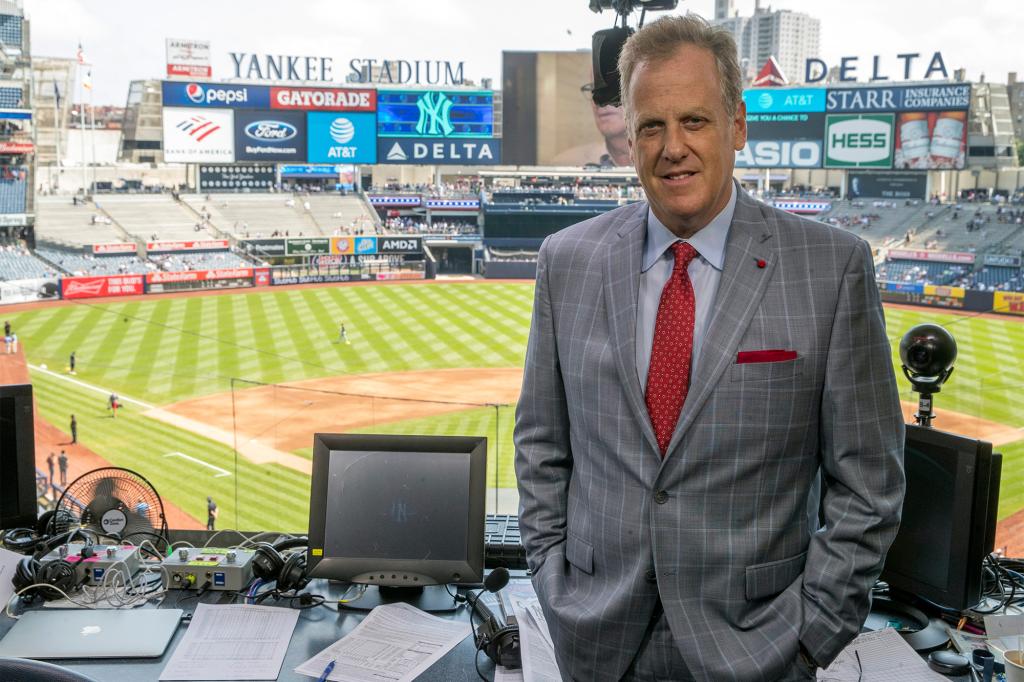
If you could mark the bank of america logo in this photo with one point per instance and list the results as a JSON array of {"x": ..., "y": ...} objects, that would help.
[
  {"x": 435, "y": 115},
  {"x": 198, "y": 127},
  {"x": 396, "y": 153}
]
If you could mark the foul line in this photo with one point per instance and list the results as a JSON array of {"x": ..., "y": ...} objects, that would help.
[
  {"x": 223, "y": 472},
  {"x": 98, "y": 389}
]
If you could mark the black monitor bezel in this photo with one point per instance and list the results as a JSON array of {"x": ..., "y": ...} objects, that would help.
[
  {"x": 470, "y": 570},
  {"x": 969, "y": 539},
  {"x": 20, "y": 508}
]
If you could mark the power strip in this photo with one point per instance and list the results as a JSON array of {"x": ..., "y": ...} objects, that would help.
[
  {"x": 190, "y": 568},
  {"x": 93, "y": 562}
]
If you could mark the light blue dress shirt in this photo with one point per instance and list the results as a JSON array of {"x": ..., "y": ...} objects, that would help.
[{"x": 656, "y": 267}]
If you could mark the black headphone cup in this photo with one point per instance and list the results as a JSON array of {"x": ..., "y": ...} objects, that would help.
[
  {"x": 267, "y": 563},
  {"x": 293, "y": 573}
]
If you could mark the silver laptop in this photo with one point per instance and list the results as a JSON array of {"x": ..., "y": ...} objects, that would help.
[{"x": 91, "y": 633}]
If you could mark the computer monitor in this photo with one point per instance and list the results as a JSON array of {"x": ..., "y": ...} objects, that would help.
[
  {"x": 949, "y": 516},
  {"x": 17, "y": 457},
  {"x": 398, "y": 512}
]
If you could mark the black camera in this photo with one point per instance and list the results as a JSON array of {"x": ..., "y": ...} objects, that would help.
[{"x": 927, "y": 352}]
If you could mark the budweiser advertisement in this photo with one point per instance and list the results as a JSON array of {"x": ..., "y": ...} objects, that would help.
[
  {"x": 94, "y": 287},
  {"x": 198, "y": 275},
  {"x": 201, "y": 245}
]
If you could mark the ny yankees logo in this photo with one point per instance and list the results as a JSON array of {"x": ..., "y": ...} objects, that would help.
[{"x": 435, "y": 108}]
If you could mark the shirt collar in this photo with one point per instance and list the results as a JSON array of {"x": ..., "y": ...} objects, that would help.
[{"x": 709, "y": 241}]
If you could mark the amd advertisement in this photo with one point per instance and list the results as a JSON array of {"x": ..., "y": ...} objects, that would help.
[{"x": 886, "y": 185}]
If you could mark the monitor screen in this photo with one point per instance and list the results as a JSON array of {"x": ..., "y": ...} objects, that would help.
[
  {"x": 948, "y": 512},
  {"x": 17, "y": 457},
  {"x": 397, "y": 511}
]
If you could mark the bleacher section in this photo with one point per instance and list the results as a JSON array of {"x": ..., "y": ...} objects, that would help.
[
  {"x": 143, "y": 216},
  {"x": 336, "y": 214},
  {"x": 10, "y": 30},
  {"x": 17, "y": 263},
  {"x": 12, "y": 183},
  {"x": 11, "y": 98},
  {"x": 58, "y": 220},
  {"x": 996, "y": 278},
  {"x": 255, "y": 215},
  {"x": 881, "y": 223},
  {"x": 900, "y": 270},
  {"x": 177, "y": 262},
  {"x": 77, "y": 263}
]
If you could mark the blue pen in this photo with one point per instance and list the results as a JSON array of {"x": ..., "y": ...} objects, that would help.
[{"x": 326, "y": 672}]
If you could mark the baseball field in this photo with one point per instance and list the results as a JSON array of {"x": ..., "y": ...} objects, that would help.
[{"x": 221, "y": 393}]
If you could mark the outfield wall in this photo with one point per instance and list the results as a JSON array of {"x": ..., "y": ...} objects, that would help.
[{"x": 952, "y": 298}]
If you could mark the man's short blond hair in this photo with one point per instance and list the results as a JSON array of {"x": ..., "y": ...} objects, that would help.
[{"x": 659, "y": 40}]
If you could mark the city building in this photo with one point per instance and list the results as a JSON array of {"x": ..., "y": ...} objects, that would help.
[{"x": 791, "y": 37}]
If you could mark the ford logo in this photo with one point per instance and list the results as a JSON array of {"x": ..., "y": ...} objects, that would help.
[{"x": 276, "y": 131}]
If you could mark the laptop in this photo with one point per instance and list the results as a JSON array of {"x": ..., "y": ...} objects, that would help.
[{"x": 91, "y": 633}]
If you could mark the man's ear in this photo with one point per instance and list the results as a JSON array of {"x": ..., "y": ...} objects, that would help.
[{"x": 740, "y": 126}]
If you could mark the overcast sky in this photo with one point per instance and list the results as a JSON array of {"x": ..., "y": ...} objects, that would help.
[{"x": 124, "y": 39}]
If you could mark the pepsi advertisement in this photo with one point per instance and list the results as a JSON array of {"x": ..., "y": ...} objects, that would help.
[
  {"x": 270, "y": 136},
  {"x": 219, "y": 95},
  {"x": 341, "y": 137}
]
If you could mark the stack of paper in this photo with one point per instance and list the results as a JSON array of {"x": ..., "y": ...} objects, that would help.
[
  {"x": 538, "y": 653},
  {"x": 880, "y": 656}
]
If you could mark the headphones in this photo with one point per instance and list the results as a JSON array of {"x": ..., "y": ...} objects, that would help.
[
  {"x": 57, "y": 572},
  {"x": 289, "y": 573}
]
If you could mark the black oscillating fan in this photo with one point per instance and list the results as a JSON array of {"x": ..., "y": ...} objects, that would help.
[{"x": 112, "y": 501}]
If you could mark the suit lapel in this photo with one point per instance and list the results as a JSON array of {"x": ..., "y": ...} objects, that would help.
[
  {"x": 621, "y": 288},
  {"x": 740, "y": 289}
]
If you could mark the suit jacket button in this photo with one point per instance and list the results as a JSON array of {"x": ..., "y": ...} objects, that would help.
[
  {"x": 661, "y": 497},
  {"x": 651, "y": 576}
]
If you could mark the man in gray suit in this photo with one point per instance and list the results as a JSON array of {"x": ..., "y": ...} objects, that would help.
[{"x": 697, "y": 364}]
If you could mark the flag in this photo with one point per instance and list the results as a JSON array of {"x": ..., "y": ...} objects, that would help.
[
  {"x": 80, "y": 54},
  {"x": 87, "y": 80},
  {"x": 56, "y": 94}
]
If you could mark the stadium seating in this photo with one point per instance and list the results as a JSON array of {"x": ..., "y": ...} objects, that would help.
[
  {"x": 58, "y": 220},
  {"x": 11, "y": 98},
  {"x": 252, "y": 215},
  {"x": 17, "y": 263},
  {"x": 900, "y": 270},
  {"x": 336, "y": 214},
  {"x": 13, "y": 187},
  {"x": 993, "y": 278},
  {"x": 77, "y": 263},
  {"x": 144, "y": 216},
  {"x": 10, "y": 30},
  {"x": 177, "y": 262}
]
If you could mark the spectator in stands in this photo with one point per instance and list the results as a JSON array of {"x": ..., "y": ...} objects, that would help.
[{"x": 62, "y": 463}]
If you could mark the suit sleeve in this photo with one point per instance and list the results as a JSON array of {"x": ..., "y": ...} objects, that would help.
[
  {"x": 543, "y": 458},
  {"x": 862, "y": 465}
]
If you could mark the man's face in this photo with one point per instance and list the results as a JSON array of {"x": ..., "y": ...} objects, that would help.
[
  {"x": 609, "y": 120},
  {"x": 683, "y": 140}
]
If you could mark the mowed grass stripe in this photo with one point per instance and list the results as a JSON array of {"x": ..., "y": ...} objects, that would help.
[
  {"x": 1011, "y": 484},
  {"x": 487, "y": 340},
  {"x": 258, "y": 320},
  {"x": 268, "y": 496},
  {"x": 183, "y": 382},
  {"x": 448, "y": 347},
  {"x": 419, "y": 354},
  {"x": 365, "y": 354}
]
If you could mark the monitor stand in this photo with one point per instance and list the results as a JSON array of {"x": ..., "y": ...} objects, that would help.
[
  {"x": 919, "y": 631},
  {"x": 431, "y": 598}
]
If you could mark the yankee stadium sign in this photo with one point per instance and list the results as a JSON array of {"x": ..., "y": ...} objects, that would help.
[{"x": 280, "y": 67}]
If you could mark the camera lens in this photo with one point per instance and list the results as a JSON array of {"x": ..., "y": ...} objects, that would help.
[{"x": 920, "y": 356}]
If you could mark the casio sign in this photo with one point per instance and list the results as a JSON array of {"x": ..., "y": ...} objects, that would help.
[
  {"x": 275, "y": 131},
  {"x": 219, "y": 95},
  {"x": 780, "y": 154}
]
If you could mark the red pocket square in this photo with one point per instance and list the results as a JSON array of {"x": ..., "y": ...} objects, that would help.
[{"x": 747, "y": 356}]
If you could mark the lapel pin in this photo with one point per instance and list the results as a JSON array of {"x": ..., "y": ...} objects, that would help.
[{"x": 761, "y": 263}]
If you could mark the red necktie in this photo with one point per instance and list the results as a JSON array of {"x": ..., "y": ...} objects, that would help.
[{"x": 668, "y": 377}]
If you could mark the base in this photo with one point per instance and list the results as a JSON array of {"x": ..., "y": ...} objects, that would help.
[
  {"x": 430, "y": 598},
  {"x": 917, "y": 630}
]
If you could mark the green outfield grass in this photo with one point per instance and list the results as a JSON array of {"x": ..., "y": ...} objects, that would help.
[{"x": 161, "y": 351}]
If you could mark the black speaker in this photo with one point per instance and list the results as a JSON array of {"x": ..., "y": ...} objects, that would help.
[{"x": 17, "y": 457}]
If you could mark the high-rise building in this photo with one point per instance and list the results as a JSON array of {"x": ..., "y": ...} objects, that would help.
[{"x": 791, "y": 37}]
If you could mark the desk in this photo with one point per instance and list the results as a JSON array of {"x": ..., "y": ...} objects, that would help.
[{"x": 317, "y": 629}]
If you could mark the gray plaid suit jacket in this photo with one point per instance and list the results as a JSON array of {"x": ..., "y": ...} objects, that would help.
[{"x": 722, "y": 520}]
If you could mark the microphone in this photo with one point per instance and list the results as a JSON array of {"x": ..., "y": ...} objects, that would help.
[{"x": 498, "y": 637}]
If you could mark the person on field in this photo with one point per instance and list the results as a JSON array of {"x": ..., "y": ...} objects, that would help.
[
  {"x": 62, "y": 461},
  {"x": 211, "y": 513}
]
